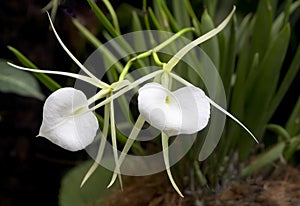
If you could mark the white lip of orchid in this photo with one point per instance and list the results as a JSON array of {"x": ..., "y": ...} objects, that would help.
[
  {"x": 67, "y": 122},
  {"x": 184, "y": 111}
]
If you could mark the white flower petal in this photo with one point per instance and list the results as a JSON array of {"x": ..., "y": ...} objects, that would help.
[
  {"x": 195, "y": 109},
  {"x": 185, "y": 111},
  {"x": 67, "y": 120},
  {"x": 159, "y": 107}
]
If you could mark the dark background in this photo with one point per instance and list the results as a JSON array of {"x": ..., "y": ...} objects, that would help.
[{"x": 31, "y": 168}]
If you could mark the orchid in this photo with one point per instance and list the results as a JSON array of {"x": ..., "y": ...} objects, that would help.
[{"x": 69, "y": 120}]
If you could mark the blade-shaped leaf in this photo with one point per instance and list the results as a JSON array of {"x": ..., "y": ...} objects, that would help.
[
  {"x": 211, "y": 47},
  {"x": 287, "y": 81},
  {"x": 293, "y": 124},
  {"x": 93, "y": 190},
  {"x": 43, "y": 78},
  {"x": 265, "y": 84},
  {"x": 18, "y": 82},
  {"x": 264, "y": 159},
  {"x": 262, "y": 28},
  {"x": 279, "y": 21},
  {"x": 263, "y": 89}
]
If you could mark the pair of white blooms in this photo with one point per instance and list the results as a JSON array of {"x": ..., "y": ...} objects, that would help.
[{"x": 69, "y": 122}]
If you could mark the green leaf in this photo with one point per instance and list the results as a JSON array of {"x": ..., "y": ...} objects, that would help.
[
  {"x": 93, "y": 191},
  {"x": 181, "y": 14},
  {"x": 230, "y": 58},
  {"x": 170, "y": 17},
  {"x": 279, "y": 21},
  {"x": 287, "y": 81},
  {"x": 292, "y": 147},
  {"x": 264, "y": 159},
  {"x": 18, "y": 82},
  {"x": 43, "y": 78},
  {"x": 154, "y": 19},
  {"x": 211, "y": 6},
  {"x": 241, "y": 35},
  {"x": 262, "y": 28},
  {"x": 161, "y": 15},
  {"x": 113, "y": 15},
  {"x": 195, "y": 20},
  {"x": 293, "y": 124},
  {"x": 279, "y": 130},
  {"x": 263, "y": 89},
  {"x": 211, "y": 47},
  {"x": 103, "y": 19},
  {"x": 265, "y": 84}
]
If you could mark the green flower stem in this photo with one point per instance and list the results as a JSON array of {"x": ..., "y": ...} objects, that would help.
[
  {"x": 101, "y": 146},
  {"x": 153, "y": 52},
  {"x": 130, "y": 62},
  {"x": 173, "y": 38},
  {"x": 101, "y": 94},
  {"x": 126, "y": 89},
  {"x": 164, "y": 140},
  {"x": 182, "y": 52},
  {"x": 157, "y": 60}
]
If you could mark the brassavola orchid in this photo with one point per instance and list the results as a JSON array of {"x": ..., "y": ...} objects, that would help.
[{"x": 69, "y": 120}]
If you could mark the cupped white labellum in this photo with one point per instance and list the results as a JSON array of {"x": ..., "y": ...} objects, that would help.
[
  {"x": 184, "y": 111},
  {"x": 67, "y": 120}
]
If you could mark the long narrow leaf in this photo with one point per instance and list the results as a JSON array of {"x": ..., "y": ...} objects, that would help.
[
  {"x": 211, "y": 47},
  {"x": 103, "y": 19},
  {"x": 43, "y": 78},
  {"x": 287, "y": 81},
  {"x": 262, "y": 28}
]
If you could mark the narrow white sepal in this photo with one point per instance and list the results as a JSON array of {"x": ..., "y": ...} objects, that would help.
[
  {"x": 164, "y": 140},
  {"x": 81, "y": 66},
  {"x": 184, "y": 82},
  {"x": 67, "y": 121}
]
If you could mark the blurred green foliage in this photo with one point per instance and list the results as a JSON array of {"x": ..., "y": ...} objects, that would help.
[{"x": 250, "y": 56}]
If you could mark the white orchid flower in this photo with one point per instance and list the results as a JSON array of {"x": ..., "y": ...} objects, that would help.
[
  {"x": 69, "y": 122},
  {"x": 184, "y": 111}
]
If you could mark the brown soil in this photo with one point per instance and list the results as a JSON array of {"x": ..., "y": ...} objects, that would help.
[{"x": 280, "y": 189}]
